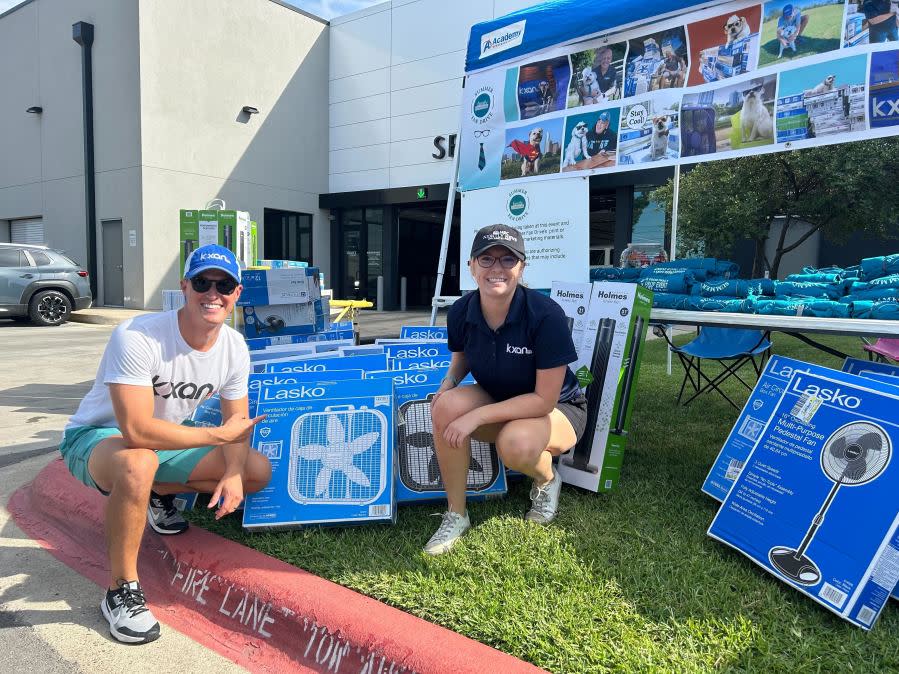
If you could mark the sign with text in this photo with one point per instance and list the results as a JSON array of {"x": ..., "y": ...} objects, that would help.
[{"x": 553, "y": 217}]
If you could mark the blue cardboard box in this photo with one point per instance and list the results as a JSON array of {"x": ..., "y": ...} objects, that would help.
[
  {"x": 815, "y": 504},
  {"x": 363, "y": 350},
  {"x": 418, "y": 474},
  {"x": 289, "y": 285},
  {"x": 752, "y": 420},
  {"x": 417, "y": 350},
  {"x": 275, "y": 320},
  {"x": 331, "y": 446},
  {"x": 326, "y": 336},
  {"x": 865, "y": 367},
  {"x": 428, "y": 363},
  {"x": 423, "y": 332},
  {"x": 280, "y": 264},
  {"x": 376, "y": 361}
]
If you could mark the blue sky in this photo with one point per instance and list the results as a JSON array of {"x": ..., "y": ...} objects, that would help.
[{"x": 327, "y": 9}]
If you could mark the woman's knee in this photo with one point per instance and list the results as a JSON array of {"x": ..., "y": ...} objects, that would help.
[
  {"x": 447, "y": 408},
  {"x": 257, "y": 473},
  {"x": 518, "y": 444}
]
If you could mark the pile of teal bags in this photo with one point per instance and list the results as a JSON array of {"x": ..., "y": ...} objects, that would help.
[{"x": 867, "y": 290}]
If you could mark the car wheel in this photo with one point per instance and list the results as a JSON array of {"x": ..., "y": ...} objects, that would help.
[{"x": 49, "y": 307}]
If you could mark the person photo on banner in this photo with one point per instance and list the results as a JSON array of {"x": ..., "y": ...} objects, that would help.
[
  {"x": 880, "y": 15},
  {"x": 596, "y": 75},
  {"x": 516, "y": 344},
  {"x": 542, "y": 87},
  {"x": 591, "y": 141},
  {"x": 794, "y": 29},
  {"x": 656, "y": 61}
]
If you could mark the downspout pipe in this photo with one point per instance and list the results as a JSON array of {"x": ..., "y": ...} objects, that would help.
[{"x": 83, "y": 34}]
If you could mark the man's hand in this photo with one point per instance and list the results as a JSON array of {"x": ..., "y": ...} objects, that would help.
[
  {"x": 230, "y": 492},
  {"x": 236, "y": 429}
]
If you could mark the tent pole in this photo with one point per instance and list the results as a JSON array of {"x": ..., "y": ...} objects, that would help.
[
  {"x": 673, "y": 256},
  {"x": 447, "y": 224}
]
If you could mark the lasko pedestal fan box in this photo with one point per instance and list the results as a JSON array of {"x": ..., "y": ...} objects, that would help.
[
  {"x": 815, "y": 504},
  {"x": 617, "y": 319},
  {"x": 331, "y": 446},
  {"x": 752, "y": 420},
  {"x": 418, "y": 473}
]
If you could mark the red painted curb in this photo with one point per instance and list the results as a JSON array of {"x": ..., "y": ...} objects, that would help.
[{"x": 261, "y": 613}]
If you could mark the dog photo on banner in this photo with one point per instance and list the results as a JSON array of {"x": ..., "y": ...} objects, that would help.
[
  {"x": 657, "y": 61},
  {"x": 543, "y": 87},
  {"x": 597, "y": 75},
  {"x": 724, "y": 46},
  {"x": 591, "y": 140},
  {"x": 650, "y": 130},
  {"x": 795, "y": 29},
  {"x": 533, "y": 150}
]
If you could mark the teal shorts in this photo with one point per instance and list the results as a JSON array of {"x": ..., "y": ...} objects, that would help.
[{"x": 175, "y": 465}]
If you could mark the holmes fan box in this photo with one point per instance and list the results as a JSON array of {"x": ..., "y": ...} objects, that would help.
[
  {"x": 815, "y": 504},
  {"x": 331, "y": 446}
]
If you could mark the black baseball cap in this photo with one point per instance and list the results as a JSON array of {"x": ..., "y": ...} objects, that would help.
[{"x": 498, "y": 235}]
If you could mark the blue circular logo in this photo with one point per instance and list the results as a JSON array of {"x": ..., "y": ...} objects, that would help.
[{"x": 481, "y": 106}]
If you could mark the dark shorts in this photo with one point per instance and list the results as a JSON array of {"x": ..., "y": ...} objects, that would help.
[{"x": 576, "y": 412}]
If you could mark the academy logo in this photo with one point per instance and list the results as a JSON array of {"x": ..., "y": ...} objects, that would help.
[{"x": 502, "y": 39}]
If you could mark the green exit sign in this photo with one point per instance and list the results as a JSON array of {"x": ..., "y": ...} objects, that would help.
[{"x": 422, "y": 193}]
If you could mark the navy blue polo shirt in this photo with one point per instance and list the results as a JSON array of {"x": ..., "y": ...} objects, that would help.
[{"x": 504, "y": 362}]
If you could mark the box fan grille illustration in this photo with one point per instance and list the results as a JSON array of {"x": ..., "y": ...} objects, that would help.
[
  {"x": 338, "y": 456},
  {"x": 418, "y": 468}
]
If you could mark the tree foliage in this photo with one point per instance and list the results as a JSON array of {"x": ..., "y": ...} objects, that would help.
[{"x": 837, "y": 190}]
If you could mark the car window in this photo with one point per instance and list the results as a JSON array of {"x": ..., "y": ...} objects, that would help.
[
  {"x": 12, "y": 257},
  {"x": 66, "y": 258},
  {"x": 40, "y": 259}
]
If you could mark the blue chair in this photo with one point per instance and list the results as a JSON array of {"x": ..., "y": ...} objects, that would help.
[{"x": 731, "y": 348}]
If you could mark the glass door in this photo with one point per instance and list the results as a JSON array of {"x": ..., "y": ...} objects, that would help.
[{"x": 351, "y": 255}]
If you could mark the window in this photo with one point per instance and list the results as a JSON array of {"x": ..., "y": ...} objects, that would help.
[
  {"x": 12, "y": 257},
  {"x": 40, "y": 259},
  {"x": 287, "y": 235}
]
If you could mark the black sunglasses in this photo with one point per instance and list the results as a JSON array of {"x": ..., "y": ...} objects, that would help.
[
  {"x": 507, "y": 261},
  {"x": 201, "y": 284}
]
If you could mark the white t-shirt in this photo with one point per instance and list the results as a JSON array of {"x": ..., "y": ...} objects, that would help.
[{"x": 150, "y": 351}]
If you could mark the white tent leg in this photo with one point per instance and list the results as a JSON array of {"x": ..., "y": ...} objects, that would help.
[
  {"x": 447, "y": 224},
  {"x": 673, "y": 244}
]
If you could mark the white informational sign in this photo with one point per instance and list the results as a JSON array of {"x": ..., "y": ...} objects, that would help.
[
  {"x": 554, "y": 218},
  {"x": 132, "y": 238}
]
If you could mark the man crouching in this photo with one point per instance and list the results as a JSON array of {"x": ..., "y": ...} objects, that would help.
[{"x": 127, "y": 439}]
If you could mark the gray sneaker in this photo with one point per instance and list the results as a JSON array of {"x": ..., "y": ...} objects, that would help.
[
  {"x": 451, "y": 528},
  {"x": 545, "y": 501},
  {"x": 125, "y": 609}
]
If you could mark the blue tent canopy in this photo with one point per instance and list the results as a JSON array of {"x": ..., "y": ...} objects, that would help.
[{"x": 561, "y": 21}]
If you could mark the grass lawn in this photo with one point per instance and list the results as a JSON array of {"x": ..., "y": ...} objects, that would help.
[{"x": 626, "y": 581}]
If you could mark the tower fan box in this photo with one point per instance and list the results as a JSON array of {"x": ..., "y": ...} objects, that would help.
[
  {"x": 418, "y": 473},
  {"x": 815, "y": 504},
  {"x": 608, "y": 365},
  {"x": 331, "y": 446},
  {"x": 755, "y": 414},
  {"x": 232, "y": 229}
]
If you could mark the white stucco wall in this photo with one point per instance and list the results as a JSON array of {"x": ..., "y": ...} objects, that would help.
[
  {"x": 395, "y": 83},
  {"x": 196, "y": 143}
]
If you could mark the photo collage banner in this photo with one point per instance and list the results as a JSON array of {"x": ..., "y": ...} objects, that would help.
[{"x": 736, "y": 79}]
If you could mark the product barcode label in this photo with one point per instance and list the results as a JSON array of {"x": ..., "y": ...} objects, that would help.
[
  {"x": 866, "y": 615},
  {"x": 805, "y": 407},
  {"x": 733, "y": 469},
  {"x": 379, "y": 510},
  {"x": 833, "y": 595},
  {"x": 608, "y": 484},
  {"x": 270, "y": 450}
]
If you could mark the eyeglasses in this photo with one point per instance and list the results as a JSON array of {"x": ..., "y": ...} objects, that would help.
[
  {"x": 201, "y": 284},
  {"x": 482, "y": 133},
  {"x": 507, "y": 261}
]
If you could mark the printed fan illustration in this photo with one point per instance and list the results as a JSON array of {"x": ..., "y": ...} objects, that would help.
[
  {"x": 853, "y": 455},
  {"x": 338, "y": 457}
]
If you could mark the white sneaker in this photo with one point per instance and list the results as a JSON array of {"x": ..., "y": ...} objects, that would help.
[
  {"x": 125, "y": 609},
  {"x": 545, "y": 501},
  {"x": 451, "y": 528}
]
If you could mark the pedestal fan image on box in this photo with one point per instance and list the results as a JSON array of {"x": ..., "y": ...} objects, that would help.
[
  {"x": 854, "y": 455},
  {"x": 418, "y": 468},
  {"x": 338, "y": 457}
]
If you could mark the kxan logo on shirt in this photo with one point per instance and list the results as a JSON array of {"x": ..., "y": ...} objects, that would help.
[
  {"x": 519, "y": 350},
  {"x": 184, "y": 390}
]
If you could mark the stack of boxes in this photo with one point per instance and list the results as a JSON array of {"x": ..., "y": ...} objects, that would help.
[
  {"x": 232, "y": 229},
  {"x": 279, "y": 302}
]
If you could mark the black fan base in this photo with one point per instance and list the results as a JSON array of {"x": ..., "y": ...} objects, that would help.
[
  {"x": 802, "y": 570},
  {"x": 579, "y": 463}
]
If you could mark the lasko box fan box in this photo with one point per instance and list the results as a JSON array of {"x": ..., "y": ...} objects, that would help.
[
  {"x": 326, "y": 336},
  {"x": 617, "y": 319},
  {"x": 752, "y": 420},
  {"x": 423, "y": 332},
  {"x": 815, "y": 504},
  {"x": 866, "y": 367},
  {"x": 331, "y": 446},
  {"x": 373, "y": 362},
  {"x": 418, "y": 474}
]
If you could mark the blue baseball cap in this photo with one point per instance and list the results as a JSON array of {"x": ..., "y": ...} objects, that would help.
[
  {"x": 605, "y": 117},
  {"x": 788, "y": 9},
  {"x": 212, "y": 257}
]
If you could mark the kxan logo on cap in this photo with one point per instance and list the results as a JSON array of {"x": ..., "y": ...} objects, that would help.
[
  {"x": 502, "y": 39},
  {"x": 214, "y": 256}
]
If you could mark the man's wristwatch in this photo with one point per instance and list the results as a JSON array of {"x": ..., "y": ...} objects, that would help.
[{"x": 451, "y": 379}]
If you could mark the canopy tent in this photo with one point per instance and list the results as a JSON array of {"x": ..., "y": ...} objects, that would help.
[{"x": 673, "y": 62}]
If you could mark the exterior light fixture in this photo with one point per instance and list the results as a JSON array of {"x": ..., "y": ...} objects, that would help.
[
  {"x": 250, "y": 110},
  {"x": 35, "y": 110}
]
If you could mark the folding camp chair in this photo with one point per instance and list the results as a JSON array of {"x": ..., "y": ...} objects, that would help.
[
  {"x": 883, "y": 350},
  {"x": 731, "y": 348}
]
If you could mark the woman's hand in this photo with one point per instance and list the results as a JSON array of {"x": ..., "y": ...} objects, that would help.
[{"x": 462, "y": 428}]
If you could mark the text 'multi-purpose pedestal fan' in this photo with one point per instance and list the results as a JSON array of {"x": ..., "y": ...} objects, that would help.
[{"x": 853, "y": 455}]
